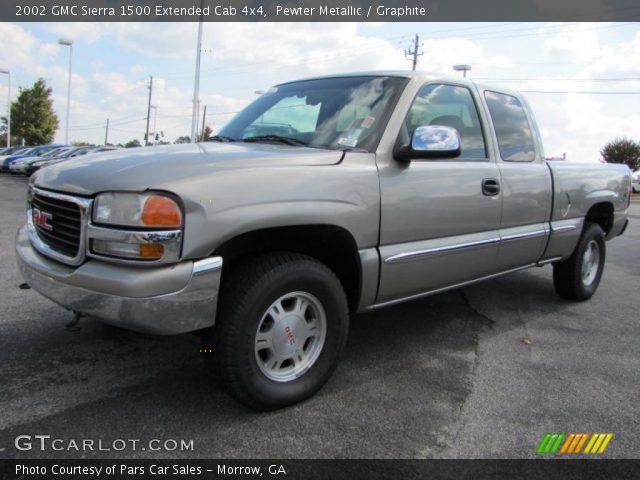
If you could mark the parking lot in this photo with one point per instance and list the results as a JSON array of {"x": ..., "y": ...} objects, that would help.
[{"x": 481, "y": 372}]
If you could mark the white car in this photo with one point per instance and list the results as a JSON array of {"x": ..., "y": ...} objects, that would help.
[{"x": 635, "y": 181}]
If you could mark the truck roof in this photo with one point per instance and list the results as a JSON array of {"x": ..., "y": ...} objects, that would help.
[{"x": 418, "y": 75}]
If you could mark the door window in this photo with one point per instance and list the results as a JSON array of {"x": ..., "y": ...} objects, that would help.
[{"x": 449, "y": 106}]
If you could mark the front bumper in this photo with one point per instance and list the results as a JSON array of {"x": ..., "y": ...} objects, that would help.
[
  {"x": 163, "y": 300},
  {"x": 17, "y": 167}
]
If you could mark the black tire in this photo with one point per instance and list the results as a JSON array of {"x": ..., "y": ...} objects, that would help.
[
  {"x": 567, "y": 275},
  {"x": 248, "y": 291}
]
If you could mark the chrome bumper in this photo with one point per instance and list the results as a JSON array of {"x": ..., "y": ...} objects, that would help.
[{"x": 163, "y": 300}]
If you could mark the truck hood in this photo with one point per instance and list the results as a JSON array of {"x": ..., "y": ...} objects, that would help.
[{"x": 140, "y": 169}]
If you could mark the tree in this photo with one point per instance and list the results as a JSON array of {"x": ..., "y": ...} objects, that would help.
[
  {"x": 622, "y": 150},
  {"x": 133, "y": 143},
  {"x": 183, "y": 139},
  {"x": 77, "y": 143},
  {"x": 208, "y": 131},
  {"x": 32, "y": 115}
]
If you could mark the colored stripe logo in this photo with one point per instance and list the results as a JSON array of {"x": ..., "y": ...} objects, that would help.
[{"x": 573, "y": 443}]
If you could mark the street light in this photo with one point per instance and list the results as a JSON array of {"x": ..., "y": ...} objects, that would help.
[
  {"x": 68, "y": 43},
  {"x": 196, "y": 85},
  {"x": 462, "y": 68},
  {"x": 8, "y": 73}
]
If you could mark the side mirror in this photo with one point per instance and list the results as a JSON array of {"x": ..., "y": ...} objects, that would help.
[{"x": 431, "y": 141}]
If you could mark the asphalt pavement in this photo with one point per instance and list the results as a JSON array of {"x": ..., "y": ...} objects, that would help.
[{"x": 480, "y": 372}]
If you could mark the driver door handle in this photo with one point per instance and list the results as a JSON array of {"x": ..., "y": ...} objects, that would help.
[{"x": 490, "y": 187}]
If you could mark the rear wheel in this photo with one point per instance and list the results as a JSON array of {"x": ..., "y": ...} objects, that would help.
[
  {"x": 578, "y": 277},
  {"x": 282, "y": 323}
]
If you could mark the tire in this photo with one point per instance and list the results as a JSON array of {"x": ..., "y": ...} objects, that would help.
[
  {"x": 573, "y": 282},
  {"x": 300, "y": 308}
]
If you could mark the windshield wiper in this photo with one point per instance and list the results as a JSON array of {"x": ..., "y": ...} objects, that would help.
[
  {"x": 276, "y": 138},
  {"x": 220, "y": 138}
]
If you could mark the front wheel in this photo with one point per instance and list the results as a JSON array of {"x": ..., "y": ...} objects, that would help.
[
  {"x": 578, "y": 277},
  {"x": 282, "y": 324}
]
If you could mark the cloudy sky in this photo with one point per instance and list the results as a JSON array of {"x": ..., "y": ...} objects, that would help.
[{"x": 112, "y": 64}]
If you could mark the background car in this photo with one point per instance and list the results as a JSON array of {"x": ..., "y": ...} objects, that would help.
[
  {"x": 20, "y": 165},
  {"x": 66, "y": 154},
  {"x": 34, "y": 151},
  {"x": 635, "y": 181},
  {"x": 12, "y": 151}
]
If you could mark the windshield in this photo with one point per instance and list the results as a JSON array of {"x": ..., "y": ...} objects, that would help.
[
  {"x": 52, "y": 153},
  {"x": 337, "y": 113}
]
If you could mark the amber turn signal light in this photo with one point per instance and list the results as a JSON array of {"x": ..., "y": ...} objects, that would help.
[
  {"x": 161, "y": 211},
  {"x": 151, "y": 250}
]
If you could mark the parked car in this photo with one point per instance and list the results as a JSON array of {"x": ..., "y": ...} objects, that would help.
[
  {"x": 635, "y": 181},
  {"x": 12, "y": 151},
  {"x": 31, "y": 152},
  {"x": 21, "y": 165},
  {"x": 390, "y": 186},
  {"x": 70, "y": 153}
]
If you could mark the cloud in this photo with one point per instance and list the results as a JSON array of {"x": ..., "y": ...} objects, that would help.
[{"x": 86, "y": 32}]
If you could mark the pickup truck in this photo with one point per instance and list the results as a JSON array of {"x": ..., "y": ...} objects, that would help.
[{"x": 323, "y": 198}]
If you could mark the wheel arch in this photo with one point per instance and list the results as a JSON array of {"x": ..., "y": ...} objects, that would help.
[
  {"x": 330, "y": 244},
  {"x": 602, "y": 214}
]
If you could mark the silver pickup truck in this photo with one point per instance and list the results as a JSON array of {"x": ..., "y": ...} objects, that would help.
[{"x": 324, "y": 197}]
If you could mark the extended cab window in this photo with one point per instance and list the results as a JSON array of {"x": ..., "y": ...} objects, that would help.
[
  {"x": 513, "y": 131},
  {"x": 449, "y": 106}
]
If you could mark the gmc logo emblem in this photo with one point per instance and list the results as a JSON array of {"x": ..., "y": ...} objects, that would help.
[{"x": 41, "y": 219}]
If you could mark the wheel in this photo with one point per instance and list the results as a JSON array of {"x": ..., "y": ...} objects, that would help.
[
  {"x": 578, "y": 277},
  {"x": 282, "y": 323}
]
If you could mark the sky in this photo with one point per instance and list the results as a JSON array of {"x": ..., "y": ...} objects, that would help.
[{"x": 551, "y": 63}]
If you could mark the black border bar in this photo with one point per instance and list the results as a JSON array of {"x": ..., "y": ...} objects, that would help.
[{"x": 317, "y": 10}]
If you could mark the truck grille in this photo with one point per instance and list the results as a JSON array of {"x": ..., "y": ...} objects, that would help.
[{"x": 61, "y": 229}]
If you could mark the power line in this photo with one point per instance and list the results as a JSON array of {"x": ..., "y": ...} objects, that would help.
[
  {"x": 582, "y": 92},
  {"x": 622, "y": 79}
]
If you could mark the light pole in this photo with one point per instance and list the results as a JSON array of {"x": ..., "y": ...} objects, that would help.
[
  {"x": 68, "y": 43},
  {"x": 8, "y": 73},
  {"x": 196, "y": 84},
  {"x": 462, "y": 68}
]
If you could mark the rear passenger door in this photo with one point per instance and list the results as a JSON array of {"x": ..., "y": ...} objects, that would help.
[
  {"x": 437, "y": 227},
  {"x": 526, "y": 182}
]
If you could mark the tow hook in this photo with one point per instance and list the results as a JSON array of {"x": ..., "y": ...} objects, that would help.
[{"x": 72, "y": 326}]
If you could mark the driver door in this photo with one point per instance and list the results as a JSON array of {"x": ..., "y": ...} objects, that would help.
[{"x": 439, "y": 223}]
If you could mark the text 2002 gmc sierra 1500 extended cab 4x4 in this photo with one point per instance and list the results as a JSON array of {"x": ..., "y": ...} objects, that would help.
[{"x": 323, "y": 197}]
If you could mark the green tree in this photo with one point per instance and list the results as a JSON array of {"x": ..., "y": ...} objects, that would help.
[
  {"x": 78, "y": 143},
  {"x": 133, "y": 143},
  {"x": 622, "y": 150},
  {"x": 208, "y": 132},
  {"x": 32, "y": 115}
]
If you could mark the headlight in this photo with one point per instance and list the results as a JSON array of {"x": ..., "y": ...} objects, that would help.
[
  {"x": 130, "y": 210},
  {"x": 137, "y": 210}
]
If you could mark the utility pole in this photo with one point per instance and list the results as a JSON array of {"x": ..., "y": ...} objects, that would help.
[
  {"x": 204, "y": 119},
  {"x": 408, "y": 53},
  {"x": 196, "y": 82},
  {"x": 106, "y": 133},
  {"x": 146, "y": 136},
  {"x": 155, "y": 121}
]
